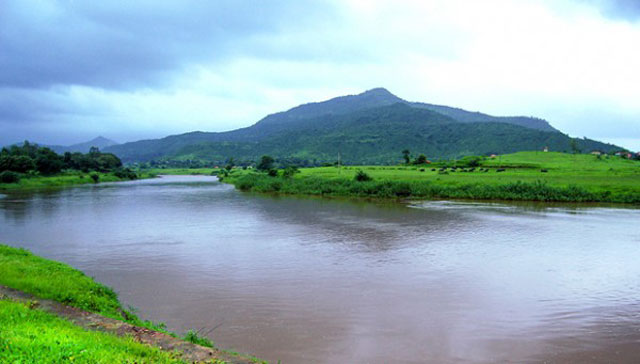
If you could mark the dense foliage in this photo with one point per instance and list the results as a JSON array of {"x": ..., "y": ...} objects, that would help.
[{"x": 33, "y": 160}]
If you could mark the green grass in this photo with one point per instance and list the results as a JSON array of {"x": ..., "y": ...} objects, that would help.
[
  {"x": 47, "y": 279},
  {"x": 21, "y": 270},
  {"x": 62, "y": 180},
  {"x": 194, "y": 337},
  {"x": 569, "y": 178},
  {"x": 32, "y": 336}
]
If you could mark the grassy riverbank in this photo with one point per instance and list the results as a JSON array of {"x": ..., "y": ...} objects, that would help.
[
  {"x": 65, "y": 180},
  {"x": 527, "y": 176},
  {"x": 31, "y": 336},
  {"x": 28, "y": 335}
]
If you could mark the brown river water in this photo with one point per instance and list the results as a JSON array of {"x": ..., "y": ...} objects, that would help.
[{"x": 310, "y": 280}]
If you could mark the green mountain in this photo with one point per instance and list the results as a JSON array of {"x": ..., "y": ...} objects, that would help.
[
  {"x": 99, "y": 142},
  {"x": 369, "y": 128}
]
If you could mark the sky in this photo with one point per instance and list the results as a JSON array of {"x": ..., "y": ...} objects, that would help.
[{"x": 130, "y": 70}]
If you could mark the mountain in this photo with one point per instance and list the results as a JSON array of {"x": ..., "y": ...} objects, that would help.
[
  {"x": 372, "y": 127},
  {"x": 99, "y": 142}
]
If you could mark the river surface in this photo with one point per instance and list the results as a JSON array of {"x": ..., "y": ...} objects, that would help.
[{"x": 309, "y": 280}]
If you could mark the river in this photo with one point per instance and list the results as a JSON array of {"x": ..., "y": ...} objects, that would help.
[{"x": 311, "y": 280}]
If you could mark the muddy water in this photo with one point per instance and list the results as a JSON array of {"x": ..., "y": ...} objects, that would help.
[{"x": 309, "y": 280}]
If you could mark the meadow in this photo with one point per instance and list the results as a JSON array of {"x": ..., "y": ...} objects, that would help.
[{"x": 533, "y": 176}]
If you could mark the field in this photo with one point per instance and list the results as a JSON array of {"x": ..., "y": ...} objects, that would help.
[{"x": 536, "y": 176}]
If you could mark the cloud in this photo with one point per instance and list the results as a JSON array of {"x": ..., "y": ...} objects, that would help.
[
  {"x": 128, "y": 70},
  {"x": 122, "y": 44}
]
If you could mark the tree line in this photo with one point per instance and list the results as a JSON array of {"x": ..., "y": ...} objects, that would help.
[{"x": 32, "y": 159}]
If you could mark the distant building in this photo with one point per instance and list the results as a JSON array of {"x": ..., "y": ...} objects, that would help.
[
  {"x": 596, "y": 152},
  {"x": 546, "y": 149},
  {"x": 492, "y": 156}
]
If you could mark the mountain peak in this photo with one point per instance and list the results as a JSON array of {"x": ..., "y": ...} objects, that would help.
[{"x": 378, "y": 91}]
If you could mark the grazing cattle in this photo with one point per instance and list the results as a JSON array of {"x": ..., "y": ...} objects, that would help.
[
  {"x": 500, "y": 170},
  {"x": 433, "y": 169},
  {"x": 544, "y": 171}
]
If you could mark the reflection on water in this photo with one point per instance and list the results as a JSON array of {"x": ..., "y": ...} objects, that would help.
[{"x": 308, "y": 280}]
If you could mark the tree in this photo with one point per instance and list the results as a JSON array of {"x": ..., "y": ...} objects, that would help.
[
  {"x": 574, "y": 146},
  {"x": 422, "y": 159},
  {"x": 230, "y": 164},
  {"x": 405, "y": 155},
  {"x": 266, "y": 163}
]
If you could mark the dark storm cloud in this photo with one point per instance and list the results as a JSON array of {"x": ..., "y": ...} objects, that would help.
[{"x": 133, "y": 43}]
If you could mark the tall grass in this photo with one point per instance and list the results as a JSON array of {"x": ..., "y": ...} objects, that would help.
[{"x": 528, "y": 191}]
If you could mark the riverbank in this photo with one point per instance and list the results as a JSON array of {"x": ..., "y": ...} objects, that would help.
[
  {"x": 524, "y": 176},
  {"x": 58, "y": 303},
  {"x": 66, "y": 179}
]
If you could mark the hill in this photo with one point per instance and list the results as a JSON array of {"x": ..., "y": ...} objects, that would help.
[
  {"x": 99, "y": 142},
  {"x": 372, "y": 128}
]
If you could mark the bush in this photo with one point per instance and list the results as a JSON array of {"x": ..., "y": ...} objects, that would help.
[
  {"x": 95, "y": 177},
  {"x": 290, "y": 171},
  {"x": 273, "y": 172},
  {"x": 9, "y": 177},
  {"x": 361, "y": 176},
  {"x": 125, "y": 173},
  {"x": 193, "y": 337}
]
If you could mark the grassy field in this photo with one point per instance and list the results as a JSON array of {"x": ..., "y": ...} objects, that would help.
[
  {"x": 535, "y": 176},
  {"x": 32, "y": 336},
  {"x": 63, "y": 180}
]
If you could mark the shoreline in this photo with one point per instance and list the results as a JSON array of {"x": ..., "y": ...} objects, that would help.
[{"x": 59, "y": 297}]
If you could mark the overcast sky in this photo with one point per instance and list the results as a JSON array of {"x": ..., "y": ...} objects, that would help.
[{"x": 127, "y": 70}]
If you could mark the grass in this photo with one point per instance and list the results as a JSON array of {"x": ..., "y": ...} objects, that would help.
[
  {"x": 63, "y": 180},
  {"x": 21, "y": 270},
  {"x": 194, "y": 337},
  {"x": 32, "y": 336},
  {"x": 568, "y": 178}
]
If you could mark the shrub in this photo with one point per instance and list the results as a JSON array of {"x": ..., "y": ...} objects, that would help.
[
  {"x": 273, "y": 172},
  {"x": 361, "y": 176},
  {"x": 9, "y": 177},
  {"x": 125, "y": 173},
  {"x": 290, "y": 171},
  {"x": 95, "y": 177},
  {"x": 193, "y": 337}
]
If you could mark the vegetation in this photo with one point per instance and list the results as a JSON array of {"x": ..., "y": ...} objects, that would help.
[
  {"x": 534, "y": 176},
  {"x": 363, "y": 129},
  {"x": 19, "y": 269},
  {"x": 194, "y": 337},
  {"x": 32, "y": 166},
  {"x": 33, "y": 336}
]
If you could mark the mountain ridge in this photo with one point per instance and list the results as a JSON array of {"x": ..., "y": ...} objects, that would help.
[{"x": 370, "y": 127}]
